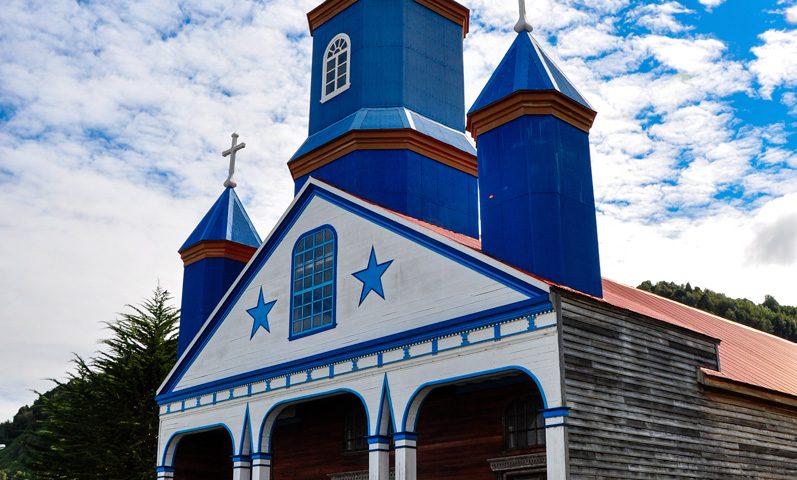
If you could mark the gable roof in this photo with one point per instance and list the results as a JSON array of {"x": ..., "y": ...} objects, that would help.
[
  {"x": 747, "y": 355},
  {"x": 226, "y": 220},
  {"x": 438, "y": 242},
  {"x": 526, "y": 67}
]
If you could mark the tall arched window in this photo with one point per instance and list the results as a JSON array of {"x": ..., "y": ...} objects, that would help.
[
  {"x": 313, "y": 288},
  {"x": 524, "y": 425},
  {"x": 337, "y": 63}
]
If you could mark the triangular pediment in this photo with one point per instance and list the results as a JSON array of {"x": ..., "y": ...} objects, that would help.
[{"x": 393, "y": 280}]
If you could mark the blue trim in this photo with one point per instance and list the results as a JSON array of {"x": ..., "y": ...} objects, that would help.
[
  {"x": 375, "y": 439},
  {"x": 417, "y": 335},
  {"x": 329, "y": 393},
  {"x": 241, "y": 458},
  {"x": 262, "y": 456},
  {"x": 462, "y": 377},
  {"x": 246, "y": 428},
  {"x": 405, "y": 436},
  {"x": 285, "y": 226},
  {"x": 556, "y": 425},
  {"x": 183, "y": 433},
  {"x": 556, "y": 412},
  {"x": 294, "y": 336},
  {"x": 385, "y": 395},
  {"x": 164, "y": 469}
]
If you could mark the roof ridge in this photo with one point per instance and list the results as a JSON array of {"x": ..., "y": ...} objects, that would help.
[{"x": 697, "y": 310}]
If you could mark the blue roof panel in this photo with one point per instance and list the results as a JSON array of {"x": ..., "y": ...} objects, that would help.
[
  {"x": 525, "y": 67},
  {"x": 226, "y": 220},
  {"x": 387, "y": 118}
]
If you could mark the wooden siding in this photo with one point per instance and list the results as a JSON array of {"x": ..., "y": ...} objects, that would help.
[{"x": 638, "y": 410}]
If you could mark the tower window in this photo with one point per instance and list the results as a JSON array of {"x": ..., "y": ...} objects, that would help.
[
  {"x": 524, "y": 425},
  {"x": 313, "y": 289},
  {"x": 337, "y": 63}
]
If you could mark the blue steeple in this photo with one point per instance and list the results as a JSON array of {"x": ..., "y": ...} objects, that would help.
[
  {"x": 213, "y": 256},
  {"x": 537, "y": 205},
  {"x": 387, "y": 108},
  {"x": 226, "y": 220},
  {"x": 526, "y": 67}
]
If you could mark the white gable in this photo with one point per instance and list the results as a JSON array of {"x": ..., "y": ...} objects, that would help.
[{"x": 421, "y": 287}]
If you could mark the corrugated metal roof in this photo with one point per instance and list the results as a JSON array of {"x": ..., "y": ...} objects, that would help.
[{"x": 747, "y": 355}]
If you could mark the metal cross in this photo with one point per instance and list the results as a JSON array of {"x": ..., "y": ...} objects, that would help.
[
  {"x": 230, "y": 183},
  {"x": 523, "y": 24}
]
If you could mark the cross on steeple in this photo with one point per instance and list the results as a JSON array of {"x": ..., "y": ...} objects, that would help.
[
  {"x": 523, "y": 24},
  {"x": 230, "y": 183}
]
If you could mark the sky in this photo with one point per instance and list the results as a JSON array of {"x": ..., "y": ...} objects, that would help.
[{"x": 113, "y": 115}]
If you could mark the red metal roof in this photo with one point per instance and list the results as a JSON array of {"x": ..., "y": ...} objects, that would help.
[{"x": 747, "y": 355}]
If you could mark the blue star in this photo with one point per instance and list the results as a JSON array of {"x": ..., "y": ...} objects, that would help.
[
  {"x": 260, "y": 314},
  {"x": 371, "y": 277}
]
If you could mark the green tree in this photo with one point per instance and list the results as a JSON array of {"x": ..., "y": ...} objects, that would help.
[
  {"x": 769, "y": 316},
  {"x": 103, "y": 422}
]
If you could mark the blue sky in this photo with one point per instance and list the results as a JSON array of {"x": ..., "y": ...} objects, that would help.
[{"x": 113, "y": 115}]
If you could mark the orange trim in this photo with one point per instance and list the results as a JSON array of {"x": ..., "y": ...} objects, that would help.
[
  {"x": 387, "y": 139},
  {"x": 324, "y": 12},
  {"x": 530, "y": 103},
  {"x": 451, "y": 10},
  {"x": 447, "y": 8},
  {"x": 217, "y": 249}
]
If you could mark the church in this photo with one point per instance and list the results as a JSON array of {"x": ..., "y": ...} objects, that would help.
[{"x": 430, "y": 309}]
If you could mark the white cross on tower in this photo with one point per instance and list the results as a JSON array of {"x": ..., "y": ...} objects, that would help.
[
  {"x": 230, "y": 183},
  {"x": 523, "y": 24}
]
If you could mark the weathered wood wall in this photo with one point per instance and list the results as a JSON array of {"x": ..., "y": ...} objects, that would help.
[{"x": 638, "y": 410}]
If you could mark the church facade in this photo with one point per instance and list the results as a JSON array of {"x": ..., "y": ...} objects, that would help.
[{"x": 426, "y": 309}]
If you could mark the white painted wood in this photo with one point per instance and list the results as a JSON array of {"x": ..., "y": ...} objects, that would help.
[
  {"x": 242, "y": 472},
  {"x": 379, "y": 464},
  {"x": 556, "y": 452},
  {"x": 406, "y": 461},
  {"x": 415, "y": 271},
  {"x": 261, "y": 469}
]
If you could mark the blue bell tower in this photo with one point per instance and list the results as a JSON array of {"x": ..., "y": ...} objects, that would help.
[
  {"x": 535, "y": 178},
  {"x": 387, "y": 109},
  {"x": 213, "y": 256}
]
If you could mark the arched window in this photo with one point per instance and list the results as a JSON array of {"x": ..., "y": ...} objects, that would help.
[
  {"x": 313, "y": 289},
  {"x": 524, "y": 425},
  {"x": 337, "y": 63}
]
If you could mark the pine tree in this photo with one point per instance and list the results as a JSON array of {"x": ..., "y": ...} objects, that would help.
[{"x": 103, "y": 422}]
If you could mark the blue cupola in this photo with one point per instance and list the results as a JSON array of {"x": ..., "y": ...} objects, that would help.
[
  {"x": 535, "y": 180},
  {"x": 213, "y": 256},
  {"x": 387, "y": 109}
]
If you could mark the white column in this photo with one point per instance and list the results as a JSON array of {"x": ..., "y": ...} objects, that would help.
[
  {"x": 261, "y": 466},
  {"x": 406, "y": 465},
  {"x": 241, "y": 467},
  {"x": 378, "y": 458},
  {"x": 165, "y": 473},
  {"x": 556, "y": 455}
]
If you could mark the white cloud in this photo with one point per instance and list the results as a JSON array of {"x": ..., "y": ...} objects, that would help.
[
  {"x": 120, "y": 111},
  {"x": 710, "y": 4},
  {"x": 660, "y": 17},
  {"x": 776, "y": 62},
  {"x": 791, "y": 14}
]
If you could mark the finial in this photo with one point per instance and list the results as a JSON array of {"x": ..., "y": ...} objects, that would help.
[
  {"x": 230, "y": 183},
  {"x": 523, "y": 24}
]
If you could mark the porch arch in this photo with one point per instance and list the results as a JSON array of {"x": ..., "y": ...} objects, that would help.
[
  {"x": 409, "y": 419},
  {"x": 266, "y": 431}
]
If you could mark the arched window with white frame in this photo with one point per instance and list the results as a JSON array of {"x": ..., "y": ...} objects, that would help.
[{"x": 337, "y": 65}]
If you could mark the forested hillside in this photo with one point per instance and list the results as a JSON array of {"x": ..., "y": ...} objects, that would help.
[
  {"x": 101, "y": 423},
  {"x": 769, "y": 316}
]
